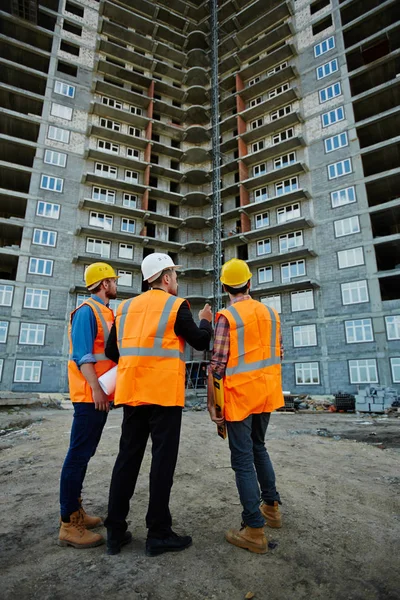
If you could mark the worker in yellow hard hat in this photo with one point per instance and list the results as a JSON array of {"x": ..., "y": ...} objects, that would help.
[
  {"x": 88, "y": 331},
  {"x": 247, "y": 357}
]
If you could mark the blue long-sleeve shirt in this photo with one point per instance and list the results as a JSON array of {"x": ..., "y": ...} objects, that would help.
[{"x": 83, "y": 333}]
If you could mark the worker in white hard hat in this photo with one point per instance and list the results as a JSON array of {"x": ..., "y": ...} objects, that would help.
[
  {"x": 89, "y": 327},
  {"x": 148, "y": 343}
]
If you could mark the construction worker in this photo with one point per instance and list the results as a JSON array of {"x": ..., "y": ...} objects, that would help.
[
  {"x": 88, "y": 332},
  {"x": 247, "y": 358},
  {"x": 149, "y": 342}
]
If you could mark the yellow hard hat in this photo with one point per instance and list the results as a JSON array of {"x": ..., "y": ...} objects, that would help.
[
  {"x": 235, "y": 273},
  {"x": 98, "y": 271}
]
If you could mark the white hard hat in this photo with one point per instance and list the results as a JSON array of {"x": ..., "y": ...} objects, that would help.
[{"x": 153, "y": 265}]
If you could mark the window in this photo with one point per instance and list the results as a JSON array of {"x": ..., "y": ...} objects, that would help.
[
  {"x": 330, "y": 92},
  {"x": 131, "y": 176},
  {"x": 48, "y": 210},
  {"x": 286, "y": 186},
  {"x": 363, "y": 371},
  {"x": 343, "y": 167},
  {"x": 3, "y": 331},
  {"x": 281, "y": 112},
  {"x": 264, "y": 274},
  {"x": 72, "y": 28},
  {"x": 279, "y": 90},
  {"x": 256, "y": 101},
  {"x": 333, "y": 116},
  {"x": 282, "y": 136},
  {"x": 395, "y": 366},
  {"x": 59, "y": 110},
  {"x": 336, "y": 141},
  {"x": 1, "y": 367},
  {"x": 135, "y": 110},
  {"x": 125, "y": 278},
  {"x": 68, "y": 69},
  {"x": 258, "y": 146},
  {"x": 40, "y": 266},
  {"x": 344, "y": 196},
  {"x": 64, "y": 89},
  {"x": 359, "y": 330},
  {"x": 58, "y": 134},
  {"x": 259, "y": 170},
  {"x": 261, "y": 194},
  {"x": 108, "y": 146},
  {"x": 324, "y": 46},
  {"x": 74, "y": 9},
  {"x": 350, "y": 258},
  {"x": 303, "y": 300},
  {"x": 287, "y": 213},
  {"x": 103, "y": 195},
  {"x": 6, "y": 294},
  {"x": 285, "y": 160},
  {"x": 129, "y": 200},
  {"x": 393, "y": 327},
  {"x": 59, "y": 159},
  {"x": 55, "y": 184},
  {"x": 277, "y": 69},
  {"x": 128, "y": 225},
  {"x": 106, "y": 170},
  {"x": 254, "y": 81},
  {"x": 273, "y": 302},
  {"x": 288, "y": 241},
  {"x": 354, "y": 292},
  {"x": 263, "y": 247},
  {"x": 347, "y": 226},
  {"x": 32, "y": 334},
  {"x": 27, "y": 371},
  {"x": 327, "y": 69},
  {"x": 134, "y": 131},
  {"x": 318, "y": 5},
  {"x": 262, "y": 220},
  {"x": 290, "y": 270},
  {"x": 36, "y": 298},
  {"x": 257, "y": 123},
  {"x": 304, "y": 335},
  {"x": 96, "y": 246},
  {"x": 133, "y": 153},
  {"x": 69, "y": 48},
  {"x": 42, "y": 237},
  {"x": 111, "y": 102},
  {"x": 97, "y": 219},
  {"x": 307, "y": 373},
  {"x": 81, "y": 298},
  {"x": 109, "y": 124},
  {"x": 125, "y": 251}
]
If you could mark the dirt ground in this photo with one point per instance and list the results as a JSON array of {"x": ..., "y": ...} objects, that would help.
[{"x": 341, "y": 508}]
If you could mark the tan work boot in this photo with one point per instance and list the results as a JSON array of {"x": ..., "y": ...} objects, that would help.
[
  {"x": 75, "y": 533},
  {"x": 272, "y": 515},
  {"x": 88, "y": 521},
  {"x": 249, "y": 538}
]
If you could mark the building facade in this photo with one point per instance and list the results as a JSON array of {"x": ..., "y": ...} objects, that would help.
[{"x": 106, "y": 154}]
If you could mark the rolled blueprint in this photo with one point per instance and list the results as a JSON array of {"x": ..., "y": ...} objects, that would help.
[{"x": 108, "y": 380}]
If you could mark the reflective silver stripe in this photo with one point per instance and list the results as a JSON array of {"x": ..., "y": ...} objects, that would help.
[
  {"x": 102, "y": 320},
  {"x": 242, "y": 366},
  {"x": 157, "y": 349}
]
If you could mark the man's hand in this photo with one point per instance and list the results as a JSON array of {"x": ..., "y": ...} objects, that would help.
[
  {"x": 206, "y": 313},
  {"x": 101, "y": 401},
  {"x": 213, "y": 414}
]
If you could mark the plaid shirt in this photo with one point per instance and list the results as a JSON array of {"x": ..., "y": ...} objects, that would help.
[{"x": 220, "y": 353}]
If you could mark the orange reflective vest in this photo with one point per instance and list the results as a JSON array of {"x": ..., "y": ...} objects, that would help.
[
  {"x": 151, "y": 367},
  {"x": 252, "y": 381},
  {"x": 79, "y": 389}
]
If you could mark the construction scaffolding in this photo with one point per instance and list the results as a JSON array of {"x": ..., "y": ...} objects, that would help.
[{"x": 216, "y": 159}]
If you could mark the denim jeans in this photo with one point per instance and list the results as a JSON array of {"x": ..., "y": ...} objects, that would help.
[
  {"x": 252, "y": 465},
  {"x": 87, "y": 427}
]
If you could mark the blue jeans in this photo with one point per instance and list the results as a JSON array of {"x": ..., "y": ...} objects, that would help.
[
  {"x": 86, "y": 431},
  {"x": 252, "y": 465}
]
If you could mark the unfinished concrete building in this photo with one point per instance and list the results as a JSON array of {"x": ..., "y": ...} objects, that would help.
[{"x": 106, "y": 154}]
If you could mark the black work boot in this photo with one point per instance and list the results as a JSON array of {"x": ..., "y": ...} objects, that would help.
[
  {"x": 114, "y": 544},
  {"x": 172, "y": 543}
]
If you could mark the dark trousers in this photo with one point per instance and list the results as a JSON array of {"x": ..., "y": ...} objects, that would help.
[
  {"x": 87, "y": 427},
  {"x": 253, "y": 468},
  {"x": 163, "y": 424}
]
